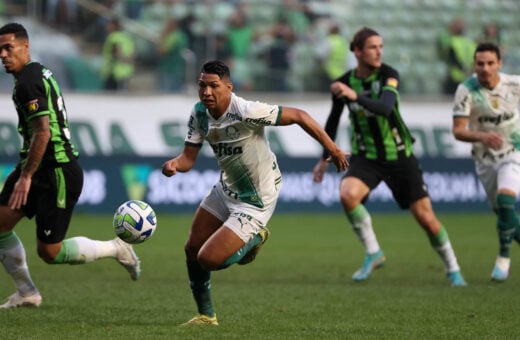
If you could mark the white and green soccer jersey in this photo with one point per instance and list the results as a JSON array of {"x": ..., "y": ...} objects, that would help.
[
  {"x": 491, "y": 110},
  {"x": 249, "y": 170}
]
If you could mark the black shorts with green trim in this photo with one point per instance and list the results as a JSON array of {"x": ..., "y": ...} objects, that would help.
[
  {"x": 404, "y": 177},
  {"x": 54, "y": 192}
]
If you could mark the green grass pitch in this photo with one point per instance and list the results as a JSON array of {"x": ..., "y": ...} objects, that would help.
[{"x": 299, "y": 287}]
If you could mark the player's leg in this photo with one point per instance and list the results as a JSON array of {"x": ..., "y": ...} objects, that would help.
[
  {"x": 54, "y": 213},
  {"x": 12, "y": 251},
  {"x": 204, "y": 225},
  {"x": 508, "y": 223},
  {"x": 352, "y": 192},
  {"x": 13, "y": 258},
  {"x": 423, "y": 212}
]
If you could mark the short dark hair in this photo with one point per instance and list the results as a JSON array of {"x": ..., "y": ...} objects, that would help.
[
  {"x": 360, "y": 37},
  {"x": 216, "y": 67},
  {"x": 487, "y": 46},
  {"x": 15, "y": 28}
]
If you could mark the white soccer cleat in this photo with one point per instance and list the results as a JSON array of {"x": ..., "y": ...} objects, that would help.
[
  {"x": 16, "y": 300},
  {"x": 501, "y": 270},
  {"x": 127, "y": 257}
]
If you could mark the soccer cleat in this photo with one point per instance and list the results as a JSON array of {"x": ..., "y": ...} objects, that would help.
[
  {"x": 251, "y": 254},
  {"x": 501, "y": 270},
  {"x": 371, "y": 262},
  {"x": 202, "y": 320},
  {"x": 127, "y": 257},
  {"x": 456, "y": 279},
  {"x": 16, "y": 300}
]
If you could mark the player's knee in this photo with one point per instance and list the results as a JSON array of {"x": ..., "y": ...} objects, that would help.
[
  {"x": 46, "y": 255},
  {"x": 208, "y": 262}
]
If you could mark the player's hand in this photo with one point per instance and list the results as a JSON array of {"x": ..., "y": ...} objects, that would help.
[
  {"x": 339, "y": 158},
  {"x": 169, "y": 168},
  {"x": 20, "y": 192},
  {"x": 493, "y": 140},
  {"x": 340, "y": 89},
  {"x": 319, "y": 170}
]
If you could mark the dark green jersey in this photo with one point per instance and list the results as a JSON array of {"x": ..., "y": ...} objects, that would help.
[
  {"x": 36, "y": 93},
  {"x": 374, "y": 135}
]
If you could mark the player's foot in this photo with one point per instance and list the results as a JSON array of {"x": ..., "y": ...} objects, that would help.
[
  {"x": 501, "y": 270},
  {"x": 371, "y": 262},
  {"x": 16, "y": 300},
  {"x": 202, "y": 319},
  {"x": 127, "y": 257},
  {"x": 456, "y": 279},
  {"x": 251, "y": 254}
]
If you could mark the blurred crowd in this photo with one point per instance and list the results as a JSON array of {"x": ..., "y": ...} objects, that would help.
[{"x": 279, "y": 46}]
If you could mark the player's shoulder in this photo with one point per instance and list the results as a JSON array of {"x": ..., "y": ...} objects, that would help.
[
  {"x": 31, "y": 71},
  {"x": 388, "y": 71},
  {"x": 512, "y": 80}
]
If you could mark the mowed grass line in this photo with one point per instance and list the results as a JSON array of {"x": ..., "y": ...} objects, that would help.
[{"x": 299, "y": 287}]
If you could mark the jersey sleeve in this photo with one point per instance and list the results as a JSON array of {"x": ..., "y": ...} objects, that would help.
[
  {"x": 390, "y": 80},
  {"x": 461, "y": 105},
  {"x": 194, "y": 135},
  {"x": 31, "y": 95},
  {"x": 261, "y": 114}
]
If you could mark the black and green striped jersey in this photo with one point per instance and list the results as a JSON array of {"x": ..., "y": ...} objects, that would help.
[
  {"x": 374, "y": 135},
  {"x": 36, "y": 93}
]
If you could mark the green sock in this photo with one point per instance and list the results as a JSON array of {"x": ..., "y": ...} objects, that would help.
[
  {"x": 507, "y": 223},
  {"x": 440, "y": 239},
  {"x": 69, "y": 253},
  {"x": 239, "y": 254},
  {"x": 361, "y": 223},
  {"x": 200, "y": 285}
]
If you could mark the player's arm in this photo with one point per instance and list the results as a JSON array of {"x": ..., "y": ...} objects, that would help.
[
  {"x": 183, "y": 162},
  {"x": 381, "y": 106},
  {"x": 462, "y": 133},
  {"x": 292, "y": 115},
  {"x": 39, "y": 142}
]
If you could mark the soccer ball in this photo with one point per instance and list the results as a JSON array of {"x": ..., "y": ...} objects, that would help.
[{"x": 134, "y": 221}]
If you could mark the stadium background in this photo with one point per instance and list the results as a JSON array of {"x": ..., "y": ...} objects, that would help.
[{"x": 122, "y": 154}]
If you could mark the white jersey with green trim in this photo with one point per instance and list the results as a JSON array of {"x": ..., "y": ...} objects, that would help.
[
  {"x": 249, "y": 170},
  {"x": 491, "y": 110}
]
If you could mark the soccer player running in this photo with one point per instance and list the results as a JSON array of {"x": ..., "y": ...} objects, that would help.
[
  {"x": 485, "y": 113},
  {"x": 47, "y": 181},
  {"x": 230, "y": 224},
  {"x": 381, "y": 151}
]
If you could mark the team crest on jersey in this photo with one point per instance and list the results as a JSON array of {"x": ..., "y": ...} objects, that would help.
[
  {"x": 232, "y": 132},
  {"x": 495, "y": 103},
  {"x": 376, "y": 87},
  {"x": 392, "y": 82},
  {"x": 32, "y": 106}
]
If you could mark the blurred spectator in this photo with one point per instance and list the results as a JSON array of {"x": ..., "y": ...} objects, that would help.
[
  {"x": 118, "y": 57},
  {"x": 491, "y": 32},
  {"x": 240, "y": 36},
  {"x": 295, "y": 13},
  {"x": 333, "y": 53},
  {"x": 62, "y": 14},
  {"x": 279, "y": 52},
  {"x": 456, "y": 51},
  {"x": 171, "y": 68}
]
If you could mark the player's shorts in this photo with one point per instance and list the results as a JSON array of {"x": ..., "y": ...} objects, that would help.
[
  {"x": 243, "y": 219},
  {"x": 504, "y": 173},
  {"x": 54, "y": 192},
  {"x": 404, "y": 177}
]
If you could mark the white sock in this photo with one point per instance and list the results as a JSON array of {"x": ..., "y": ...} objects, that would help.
[
  {"x": 82, "y": 249},
  {"x": 15, "y": 264},
  {"x": 362, "y": 226},
  {"x": 448, "y": 257}
]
